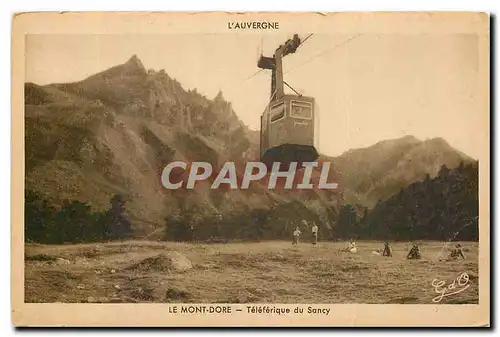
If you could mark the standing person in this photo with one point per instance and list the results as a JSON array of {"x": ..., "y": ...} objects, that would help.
[
  {"x": 296, "y": 235},
  {"x": 191, "y": 232},
  {"x": 314, "y": 230}
]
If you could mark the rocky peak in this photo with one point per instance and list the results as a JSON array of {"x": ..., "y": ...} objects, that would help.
[
  {"x": 438, "y": 141},
  {"x": 134, "y": 63},
  {"x": 219, "y": 97}
]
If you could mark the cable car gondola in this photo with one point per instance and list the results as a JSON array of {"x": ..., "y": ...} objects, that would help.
[{"x": 287, "y": 124}]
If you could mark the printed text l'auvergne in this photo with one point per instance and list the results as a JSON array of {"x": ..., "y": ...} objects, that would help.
[{"x": 266, "y": 25}]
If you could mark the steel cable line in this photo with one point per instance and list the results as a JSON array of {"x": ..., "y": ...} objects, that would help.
[
  {"x": 310, "y": 59},
  {"x": 323, "y": 53},
  {"x": 238, "y": 84}
]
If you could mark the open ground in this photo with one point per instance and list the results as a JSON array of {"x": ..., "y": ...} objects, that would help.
[{"x": 260, "y": 272}]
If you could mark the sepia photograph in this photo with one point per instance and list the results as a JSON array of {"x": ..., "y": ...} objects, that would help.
[{"x": 264, "y": 162}]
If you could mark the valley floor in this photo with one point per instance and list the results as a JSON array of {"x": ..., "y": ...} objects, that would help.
[{"x": 264, "y": 272}]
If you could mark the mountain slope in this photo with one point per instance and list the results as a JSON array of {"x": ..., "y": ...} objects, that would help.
[
  {"x": 443, "y": 208},
  {"x": 114, "y": 132},
  {"x": 379, "y": 171}
]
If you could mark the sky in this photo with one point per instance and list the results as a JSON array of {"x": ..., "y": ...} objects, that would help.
[{"x": 368, "y": 87}]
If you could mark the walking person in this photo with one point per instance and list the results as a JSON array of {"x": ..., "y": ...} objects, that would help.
[
  {"x": 191, "y": 232},
  {"x": 296, "y": 235},
  {"x": 314, "y": 231}
]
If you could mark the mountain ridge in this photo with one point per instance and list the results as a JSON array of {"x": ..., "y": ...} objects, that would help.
[
  {"x": 378, "y": 171},
  {"x": 114, "y": 131}
]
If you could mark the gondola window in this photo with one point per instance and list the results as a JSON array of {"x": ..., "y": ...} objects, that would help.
[
  {"x": 301, "y": 110},
  {"x": 277, "y": 112}
]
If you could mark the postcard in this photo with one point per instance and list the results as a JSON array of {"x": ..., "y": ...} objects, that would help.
[{"x": 251, "y": 169}]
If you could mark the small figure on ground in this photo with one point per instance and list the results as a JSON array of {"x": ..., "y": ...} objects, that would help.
[
  {"x": 457, "y": 253},
  {"x": 296, "y": 235},
  {"x": 314, "y": 230},
  {"x": 387, "y": 249},
  {"x": 414, "y": 252},
  {"x": 351, "y": 247}
]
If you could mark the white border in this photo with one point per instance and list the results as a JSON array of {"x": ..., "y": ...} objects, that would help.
[{"x": 8, "y": 7}]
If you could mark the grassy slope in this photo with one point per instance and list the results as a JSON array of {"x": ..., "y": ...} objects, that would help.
[
  {"x": 381, "y": 170},
  {"x": 272, "y": 272}
]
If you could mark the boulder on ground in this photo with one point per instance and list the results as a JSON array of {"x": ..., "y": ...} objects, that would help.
[
  {"x": 175, "y": 294},
  {"x": 170, "y": 261},
  {"x": 60, "y": 260}
]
